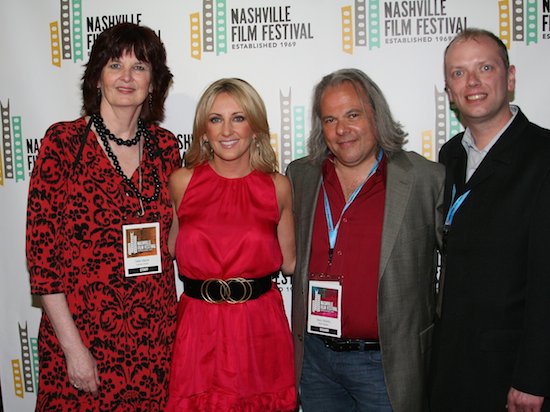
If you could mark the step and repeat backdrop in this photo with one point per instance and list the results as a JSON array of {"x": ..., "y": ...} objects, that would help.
[{"x": 282, "y": 47}]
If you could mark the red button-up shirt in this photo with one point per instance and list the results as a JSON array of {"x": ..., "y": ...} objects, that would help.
[{"x": 356, "y": 255}]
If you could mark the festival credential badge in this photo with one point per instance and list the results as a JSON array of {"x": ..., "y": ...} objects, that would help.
[
  {"x": 141, "y": 246},
  {"x": 324, "y": 308}
]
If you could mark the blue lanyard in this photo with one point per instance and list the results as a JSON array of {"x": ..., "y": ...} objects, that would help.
[
  {"x": 455, "y": 205},
  {"x": 333, "y": 230}
]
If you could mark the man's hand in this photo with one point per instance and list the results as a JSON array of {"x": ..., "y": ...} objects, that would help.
[{"x": 523, "y": 402}]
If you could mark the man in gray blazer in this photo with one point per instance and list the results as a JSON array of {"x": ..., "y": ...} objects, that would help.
[{"x": 368, "y": 225}]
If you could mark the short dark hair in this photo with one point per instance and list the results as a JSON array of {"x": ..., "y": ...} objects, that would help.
[{"x": 113, "y": 43}]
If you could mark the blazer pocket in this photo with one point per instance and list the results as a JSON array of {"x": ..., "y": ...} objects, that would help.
[
  {"x": 425, "y": 356},
  {"x": 499, "y": 340},
  {"x": 426, "y": 339},
  {"x": 415, "y": 234}
]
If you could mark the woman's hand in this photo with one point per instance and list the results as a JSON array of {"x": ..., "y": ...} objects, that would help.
[
  {"x": 81, "y": 365},
  {"x": 82, "y": 370}
]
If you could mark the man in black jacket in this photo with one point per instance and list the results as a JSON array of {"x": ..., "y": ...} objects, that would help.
[{"x": 492, "y": 342}]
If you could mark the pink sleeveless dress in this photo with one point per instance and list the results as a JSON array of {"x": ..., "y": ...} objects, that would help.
[{"x": 230, "y": 357}]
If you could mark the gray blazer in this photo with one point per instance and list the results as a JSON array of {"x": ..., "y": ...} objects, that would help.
[{"x": 408, "y": 261}]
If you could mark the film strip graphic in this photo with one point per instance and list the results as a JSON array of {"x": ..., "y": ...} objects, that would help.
[
  {"x": 441, "y": 110},
  {"x": 518, "y": 21},
  {"x": 213, "y": 36},
  {"x": 274, "y": 141},
  {"x": 446, "y": 126},
  {"x": 298, "y": 114},
  {"x": 66, "y": 37},
  {"x": 286, "y": 127},
  {"x": 25, "y": 370},
  {"x": 293, "y": 139},
  {"x": 355, "y": 26},
  {"x": 12, "y": 165},
  {"x": 427, "y": 145}
]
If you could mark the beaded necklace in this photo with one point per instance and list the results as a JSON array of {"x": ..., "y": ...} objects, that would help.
[
  {"x": 102, "y": 130},
  {"x": 103, "y": 134}
]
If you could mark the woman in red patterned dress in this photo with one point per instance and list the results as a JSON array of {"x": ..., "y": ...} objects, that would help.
[
  {"x": 106, "y": 334},
  {"x": 233, "y": 349}
]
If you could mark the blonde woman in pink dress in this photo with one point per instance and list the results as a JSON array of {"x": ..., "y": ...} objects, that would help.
[{"x": 233, "y": 349}]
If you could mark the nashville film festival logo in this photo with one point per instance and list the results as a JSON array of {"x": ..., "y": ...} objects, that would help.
[
  {"x": 25, "y": 369},
  {"x": 375, "y": 22},
  {"x": 546, "y": 19},
  {"x": 221, "y": 27},
  {"x": 519, "y": 21},
  {"x": 17, "y": 157},
  {"x": 292, "y": 143},
  {"x": 68, "y": 41},
  {"x": 446, "y": 126}
]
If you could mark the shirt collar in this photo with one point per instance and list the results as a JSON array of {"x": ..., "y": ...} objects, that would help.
[
  {"x": 329, "y": 171},
  {"x": 468, "y": 141}
]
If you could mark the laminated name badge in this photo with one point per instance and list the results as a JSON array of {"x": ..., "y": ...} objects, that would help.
[
  {"x": 325, "y": 308},
  {"x": 141, "y": 245}
]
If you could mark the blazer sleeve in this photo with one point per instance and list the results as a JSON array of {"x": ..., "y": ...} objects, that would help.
[
  {"x": 439, "y": 212},
  {"x": 532, "y": 369}
]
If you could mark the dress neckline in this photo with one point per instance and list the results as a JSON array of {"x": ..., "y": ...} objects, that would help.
[{"x": 209, "y": 166}]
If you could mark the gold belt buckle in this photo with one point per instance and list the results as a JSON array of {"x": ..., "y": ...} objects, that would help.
[
  {"x": 225, "y": 290},
  {"x": 247, "y": 290}
]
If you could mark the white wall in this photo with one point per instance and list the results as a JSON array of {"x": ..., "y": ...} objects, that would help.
[{"x": 406, "y": 62}]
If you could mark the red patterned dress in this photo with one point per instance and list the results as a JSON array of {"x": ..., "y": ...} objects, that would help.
[
  {"x": 76, "y": 208},
  {"x": 230, "y": 357}
]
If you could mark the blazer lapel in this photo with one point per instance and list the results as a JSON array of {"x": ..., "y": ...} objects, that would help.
[
  {"x": 399, "y": 183},
  {"x": 309, "y": 205},
  {"x": 307, "y": 183},
  {"x": 456, "y": 171},
  {"x": 501, "y": 154},
  {"x": 486, "y": 168}
]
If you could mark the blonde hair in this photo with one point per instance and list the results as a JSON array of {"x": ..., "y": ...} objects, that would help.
[{"x": 262, "y": 155}]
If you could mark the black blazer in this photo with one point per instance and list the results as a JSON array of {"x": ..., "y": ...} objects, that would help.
[{"x": 494, "y": 330}]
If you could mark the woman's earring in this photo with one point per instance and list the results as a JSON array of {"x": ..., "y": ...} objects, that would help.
[{"x": 205, "y": 146}]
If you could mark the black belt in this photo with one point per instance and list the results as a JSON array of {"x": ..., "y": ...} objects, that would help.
[
  {"x": 347, "y": 345},
  {"x": 232, "y": 290}
]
